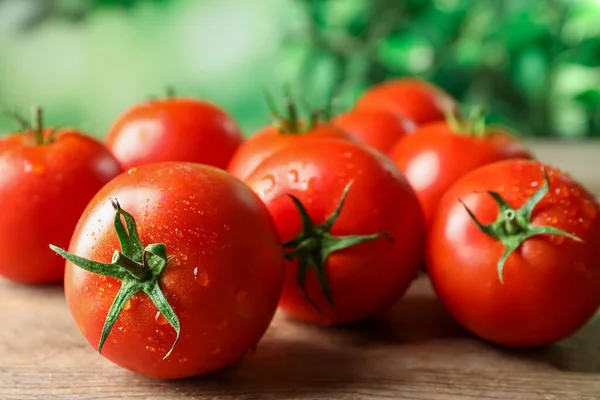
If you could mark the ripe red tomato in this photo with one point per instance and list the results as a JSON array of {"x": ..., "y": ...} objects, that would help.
[
  {"x": 174, "y": 129},
  {"x": 221, "y": 283},
  {"x": 350, "y": 258},
  {"x": 47, "y": 177},
  {"x": 410, "y": 98},
  {"x": 438, "y": 154},
  {"x": 375, "y": 128},
  {"x": 269, "y": 140},
  {"x": 549, "y": 285}
]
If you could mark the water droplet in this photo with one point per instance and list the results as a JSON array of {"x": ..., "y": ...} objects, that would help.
[
  {"x": 145, "y": 213},
  {"x": 160, "y": 333},
  {"x": 186, "y": 202},
  {"x": 101, "y": 289},
  {"x": 170, "y": 189},
  {"x": 93, "y": 234},
  {"x": 150, "y": 349},
  {"x": 183, "y": 360},
  {"x": 132, "y": 170},
  {"x": 241, "y": 296},
  {"x": 293, "y": 176},
  {"x": 553, "y": 220},
  {"x": 160, "y": 319},
  {"x": 159, "y": 205},
  {"x": 192, "y": 197},
  {"x": 177, "y": 262},
  {"x": 179, "y": 234},
  {"x": 184, "y": 257},
  {"x": 161, "y": 189},
  {"x": 152, "y": 225},
  {"x": 534, "y": 184},
  {"x": 127, "y": 305},
  {"x": 216, "y": 351},
  {"x": 122, "y": 329},
  {"x": 222, "y": 325},
  {"x": 201, "y": 277},
  {"x": 147, "y": 200}
]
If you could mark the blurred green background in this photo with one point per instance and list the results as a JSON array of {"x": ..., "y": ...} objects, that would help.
[{"x": 534, "y": 64}]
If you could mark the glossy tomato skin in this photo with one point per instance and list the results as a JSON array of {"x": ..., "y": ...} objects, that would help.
[
  {"x": 223, "y": 281},
  {"x": 551, "y": 283},
  {"x": 365, "y": 279},
  {"x": 410, "y": 98},
  {"x": 43, "y": 191},
  {"x": 435, "y": 157},
  {"x": 175, "y": 129},
  {"x": 378, "y": 129},
  {"x": 269, "y": 140}
]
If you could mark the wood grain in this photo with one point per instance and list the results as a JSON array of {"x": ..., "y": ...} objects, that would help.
[{"x": 416, "y": 352}]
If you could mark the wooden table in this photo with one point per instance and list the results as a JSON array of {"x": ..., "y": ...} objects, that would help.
[{"x": 416, "y": 353}]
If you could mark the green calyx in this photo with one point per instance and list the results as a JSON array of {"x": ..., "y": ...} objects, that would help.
[
  {"x": 139, "y": 269},
  {"x": 36, "y": 126},
  {"x": 290, "y": 123},
  {"x": 472, "y": 125},
  {"x": 513, "y": 227},
  {"x": 315, "y": 243}
]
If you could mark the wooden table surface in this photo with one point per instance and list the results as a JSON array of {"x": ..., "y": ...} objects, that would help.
[{"x": 417, "y": 352}]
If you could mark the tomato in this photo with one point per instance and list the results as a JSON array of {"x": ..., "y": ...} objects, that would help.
[
  {"x": 349, "y": 258},
  {"x": 47, "y": 177},
  {"x": 204, "y": 259},
  {"x": 375, "y": 128},
  {"x": 410, "y": 98},
  {"x": 530, "y": 274},
  {"x": 286, "y": 130},
  {"x": 174, "y": 129},
  {"x": 438, "y": 154}
]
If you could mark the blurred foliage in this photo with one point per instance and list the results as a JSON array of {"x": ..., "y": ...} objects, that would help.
[{"x": 535, "y": 65}]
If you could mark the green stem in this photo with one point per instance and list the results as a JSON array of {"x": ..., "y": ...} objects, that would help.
[{"x": 38, "y": 128}]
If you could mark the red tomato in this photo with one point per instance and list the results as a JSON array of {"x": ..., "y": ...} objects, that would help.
[
  {"x": 551, "y": 281},
  {"x": 223, "y": 274},
  {"x": 269, "y": 140},
  {"x": 341, "y": 268},
  {"x": 47, "y": 178},
  {"x": 174, "y": 129},
  {"x": 437, "y": 155},
  {"x": 409, "y": 98},
  {"x": 375, "y": 128}
]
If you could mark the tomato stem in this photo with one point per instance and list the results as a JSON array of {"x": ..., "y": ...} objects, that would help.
[
  {"x": 513, "y": 226},
  {"x": 138, "y": 268},
  {"x": 313, "y": 246}
]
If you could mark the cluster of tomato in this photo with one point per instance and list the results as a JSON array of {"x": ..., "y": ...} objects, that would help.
[{"x": 187, "y": 238}]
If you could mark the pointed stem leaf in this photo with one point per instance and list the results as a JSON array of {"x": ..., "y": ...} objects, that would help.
[
  {"x": 487, "y": 229},
  {"x": 162, "y": 304},
  {"x": 319, "y": 266},
  {"x": 130, "y": 242},
  {"x": 92, "y": 266},
  {"x": 331, "y": 244},
  {"x": 550, "y": 230},
  {"x": 128, "y": 289},
  {"x": 328, "y": 224},
  {"x": 303, "y": 265},
  {"x": 502, "y": 204},
  {"x": 307, "y": 223},
  {"x": 527, "y": 209},
  {"x": 508, "y": 250}
]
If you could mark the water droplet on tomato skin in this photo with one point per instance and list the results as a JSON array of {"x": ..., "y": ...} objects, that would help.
[
  {"x": 184, "y": 257},
  {"x": 132, "y": 170},
  {"x": 145, "y": 213},
  {"x": 150, "y": 349},
  {"x": 183, "y": 360},
  {"x": 160, "y": 319},
  {"x": 127, "y": 305},
  {"x": 179, "y": 234},
  {"x": 160, "y": 333},
  {"x": 159, "y": 205},
  {"x": 293, "y": 176},
  {"x": 201, "y": 277}
]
